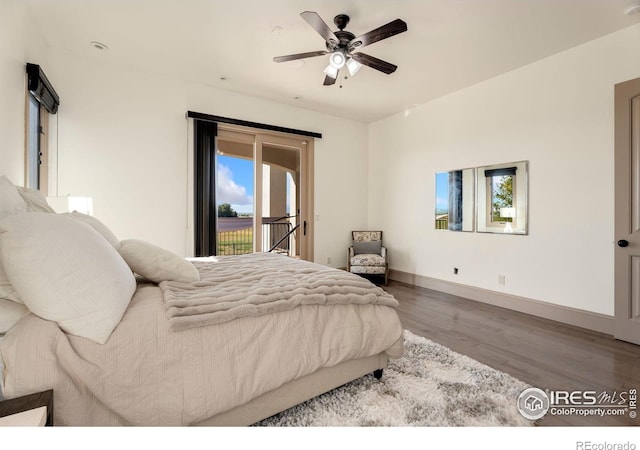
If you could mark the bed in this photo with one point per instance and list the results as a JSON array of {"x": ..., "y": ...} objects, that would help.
[{"x": 226, "y": 341}]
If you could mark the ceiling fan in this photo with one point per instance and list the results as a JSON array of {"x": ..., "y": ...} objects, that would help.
[{"x": 342, "y": 44}]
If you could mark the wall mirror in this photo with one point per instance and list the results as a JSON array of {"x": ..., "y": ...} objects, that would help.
[
  {"x": 502, "y": 198},
  {"x": 454, "y": 200}
]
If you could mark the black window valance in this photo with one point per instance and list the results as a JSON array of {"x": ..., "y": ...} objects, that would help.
[
  {"x": 245, "y": 123},
  {"x": 500, "y": 172},
  {"x": 40, "y": 87}
]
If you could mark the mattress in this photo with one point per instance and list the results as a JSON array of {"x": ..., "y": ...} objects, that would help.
[{"x": 147, "y": 374}]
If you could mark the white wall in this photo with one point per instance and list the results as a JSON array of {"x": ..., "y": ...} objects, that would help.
[
  {"x": 556, "y": 113},
  {"x": 14, "y": 52},
  {"x": 123, "y": 140}
]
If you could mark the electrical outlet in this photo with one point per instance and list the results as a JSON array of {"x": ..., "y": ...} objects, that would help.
[
  {"x": 502, "y": 280},
  {"x": 455, "y": 271}
]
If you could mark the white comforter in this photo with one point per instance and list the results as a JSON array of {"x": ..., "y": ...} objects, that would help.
[{"x": 147, "y": 374}]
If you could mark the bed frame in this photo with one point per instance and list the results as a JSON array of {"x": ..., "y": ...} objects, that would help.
[{"x": 298, "y": 391}]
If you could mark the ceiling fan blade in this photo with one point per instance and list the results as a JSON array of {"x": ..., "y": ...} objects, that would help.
[
  {"x": 299, "y": 56},
  {"x": 385, "y": 31},
  {"x": 316, "y": 22},
  {"x": 328, "y": 81},
  {"x": 374, "y": 63}
]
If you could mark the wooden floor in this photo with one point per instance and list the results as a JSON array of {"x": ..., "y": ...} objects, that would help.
[{"x": 543, "y": 353}]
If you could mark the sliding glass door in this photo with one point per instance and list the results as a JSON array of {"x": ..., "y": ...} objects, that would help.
[
  {"x": 281, "y": 195},
  {"x": 235, "y": 168},
  {"x": 260, "y": 194}
]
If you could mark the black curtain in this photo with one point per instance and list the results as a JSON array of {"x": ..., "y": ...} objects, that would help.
[
  {"x": 455, "y": 200},
  {"x": 205, "y": 187}
]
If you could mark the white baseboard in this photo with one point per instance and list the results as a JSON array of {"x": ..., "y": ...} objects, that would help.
[{"x": 572, "y": 316}]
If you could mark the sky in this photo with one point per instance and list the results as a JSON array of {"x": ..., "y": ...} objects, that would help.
[
  {"x": 235, "y": 183},
  {"x": 442, "y": 191}
]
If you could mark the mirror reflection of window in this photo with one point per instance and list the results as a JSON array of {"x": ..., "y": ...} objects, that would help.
[
  {"x": 502, "y": 198},
  {"x": 500, "y": 184},
  {"x": 455, "y": 200},
  {"x": 442, "y": 201}
]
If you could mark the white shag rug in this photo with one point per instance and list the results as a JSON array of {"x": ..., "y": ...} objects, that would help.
[{"x": 429, "y": 386}]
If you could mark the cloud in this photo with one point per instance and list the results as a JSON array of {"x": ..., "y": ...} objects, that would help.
[{"x": 229, "y": 191}]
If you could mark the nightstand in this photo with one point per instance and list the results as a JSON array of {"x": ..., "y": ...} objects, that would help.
[{"x": 26, "y": 406}]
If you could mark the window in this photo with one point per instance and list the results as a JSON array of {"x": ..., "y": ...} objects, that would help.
[
  {"x": 42, "y": 101},
  {"x": 36, "y": 146},
  {"x": 501, "y": 204},
  {"x": 502, "y": 198}
]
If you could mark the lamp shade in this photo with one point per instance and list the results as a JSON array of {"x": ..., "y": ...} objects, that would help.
[
  {"x": 70, "y": 203},
  {"x": 353, "y": 66},
  {"x": 331, "y": 71}
]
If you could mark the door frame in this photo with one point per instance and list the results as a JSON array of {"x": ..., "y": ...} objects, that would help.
[
  {"x": 627, "y": 213},
  {"x": 263, "y": 134},
  {"x": 306, "y": 147}
]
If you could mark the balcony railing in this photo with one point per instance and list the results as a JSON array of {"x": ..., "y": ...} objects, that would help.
[
  {"x": 235, "y": 242},
  {"x": 235, "y": 235},
  {"x": 442, "y": 222},
  {"x": 277, "y": 234}
]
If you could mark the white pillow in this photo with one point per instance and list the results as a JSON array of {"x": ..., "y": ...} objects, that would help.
[
  {"x": 7, "y": 292},
  {"x": 66, "y": 272},
  {"x": 157, "y": 264},
  {"x": 96, "y": 225},
  {"x": 10, "y": 200},
  {"x": 10, "y": 313},
  {"x": 35, "y": 200}
]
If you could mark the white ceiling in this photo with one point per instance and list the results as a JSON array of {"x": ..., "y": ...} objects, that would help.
[{"x": 450, "y": 44}]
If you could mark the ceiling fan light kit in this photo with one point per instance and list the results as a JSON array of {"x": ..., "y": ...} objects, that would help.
[
  {"x": 337, "y": 59},
  {"x": 353, "y": 66},
  {"x": 331, "y": 71},
  {"x": 341, "y": 46}
]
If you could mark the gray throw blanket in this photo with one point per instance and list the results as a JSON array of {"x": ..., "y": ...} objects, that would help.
[{"x": 256, "y": 284}]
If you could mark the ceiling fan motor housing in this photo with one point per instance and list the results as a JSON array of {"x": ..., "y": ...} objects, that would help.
[
  {"x": 345, "y": 37},
  {"x": 341, "y": 21}
]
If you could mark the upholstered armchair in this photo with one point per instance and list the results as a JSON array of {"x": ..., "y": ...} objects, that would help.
[{"x": 367, "y": 256}]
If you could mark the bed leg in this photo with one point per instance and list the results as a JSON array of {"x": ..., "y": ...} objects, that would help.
[{"x": 377, "y": 374}]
